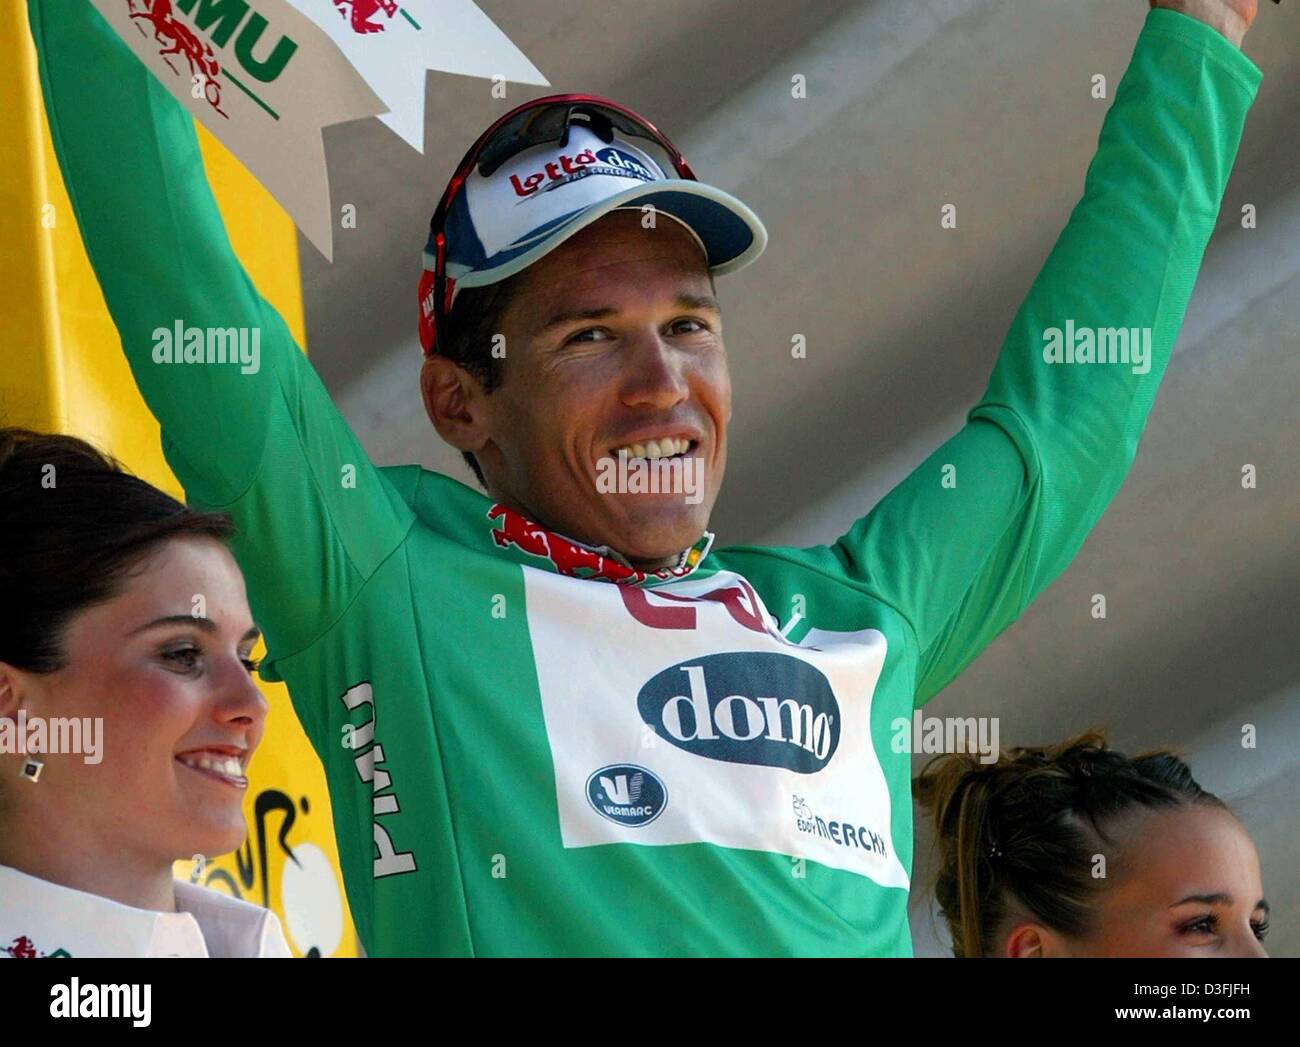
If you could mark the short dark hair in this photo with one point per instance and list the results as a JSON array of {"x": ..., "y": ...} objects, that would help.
[
  {"x": 474, "y": 320},
  {"x": 73, "y": 525}
]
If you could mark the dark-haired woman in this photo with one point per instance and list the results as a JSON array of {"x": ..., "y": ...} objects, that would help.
[
  {"x": 120, "y": 609},
  {"x": 1079, "y": 850}
]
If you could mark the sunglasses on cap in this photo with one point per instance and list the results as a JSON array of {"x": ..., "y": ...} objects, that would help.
[{"x": 539, "y": 122}]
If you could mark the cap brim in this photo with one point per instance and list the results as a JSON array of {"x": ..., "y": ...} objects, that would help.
[{"x": 732, "y": 234}]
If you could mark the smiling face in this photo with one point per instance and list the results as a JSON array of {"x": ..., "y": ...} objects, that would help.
[
  {"x": 174, "y": 692},
  {"x": 1188, "y": 885},
  {"x": 613, "y": 344}
]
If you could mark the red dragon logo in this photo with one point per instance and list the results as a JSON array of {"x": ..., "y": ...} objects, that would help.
[
  {"x": 363, "y": 9},
  {"x": 22, "y": 949},
  {"x": 567, "y": 557},
  {"x": 167, "y": 30}
]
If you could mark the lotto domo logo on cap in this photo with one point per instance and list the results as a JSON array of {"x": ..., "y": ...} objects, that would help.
[
  {"x": 498, "y": 225},
  {"x": 541, "y": 186}
]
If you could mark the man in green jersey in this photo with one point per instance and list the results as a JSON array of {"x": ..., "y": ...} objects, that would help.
[{"x": 554, "y": 718}]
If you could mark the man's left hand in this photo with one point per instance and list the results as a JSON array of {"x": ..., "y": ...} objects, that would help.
[{"x": 1232, "y": 18}]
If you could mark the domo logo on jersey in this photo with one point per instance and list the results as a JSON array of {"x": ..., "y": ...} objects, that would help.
[
  {"x": 627, "y": 794},
  {"x": 746, "y": 707}
]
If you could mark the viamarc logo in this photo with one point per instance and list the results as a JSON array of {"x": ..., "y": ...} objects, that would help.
[
  {"x": 746, "y": 707},
  {"x": 627, "y": 794}
]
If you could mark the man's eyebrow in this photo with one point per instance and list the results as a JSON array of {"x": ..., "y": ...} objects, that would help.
[
  {"x": 568, "y": 316},
  {"x": 697, "y": 301}
]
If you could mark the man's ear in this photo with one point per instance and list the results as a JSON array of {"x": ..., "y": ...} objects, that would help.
[{"x": 454, "y": 402}]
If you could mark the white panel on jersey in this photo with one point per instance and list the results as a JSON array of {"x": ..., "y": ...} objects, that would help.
[{"x": 680, "y": 715}]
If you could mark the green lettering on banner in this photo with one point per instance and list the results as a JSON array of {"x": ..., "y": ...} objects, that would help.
[
  {"x": 267, "y": 70},
  {"x": 229, "y": 13},
  {"x": 226, "y": 16}
]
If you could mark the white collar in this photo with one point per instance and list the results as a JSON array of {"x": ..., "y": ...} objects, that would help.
[{"x": 40, "y": 918}]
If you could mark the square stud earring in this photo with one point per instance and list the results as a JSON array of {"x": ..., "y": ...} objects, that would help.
[{"x": 32, "y": 769}]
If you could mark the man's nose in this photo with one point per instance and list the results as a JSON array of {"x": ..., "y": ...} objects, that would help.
[{"x": 653, "y": 374}]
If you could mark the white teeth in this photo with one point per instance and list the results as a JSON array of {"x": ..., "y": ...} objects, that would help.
[
  {"x": 227, "y": 765},
  {"x": 655, "y": 448}
]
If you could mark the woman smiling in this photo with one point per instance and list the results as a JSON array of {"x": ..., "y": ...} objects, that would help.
[{"x": 125, "y": 608}]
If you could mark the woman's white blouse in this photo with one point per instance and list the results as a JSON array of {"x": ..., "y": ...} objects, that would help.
[{"x": 39, "y": 918}]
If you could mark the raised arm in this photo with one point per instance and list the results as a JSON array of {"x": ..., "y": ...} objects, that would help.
[
  {"x": 256, "y": 435},
  {"x": 968, "y": 540}
]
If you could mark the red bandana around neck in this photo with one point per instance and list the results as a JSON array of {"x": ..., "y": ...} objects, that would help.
[{"x": 583, "y": 561}]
